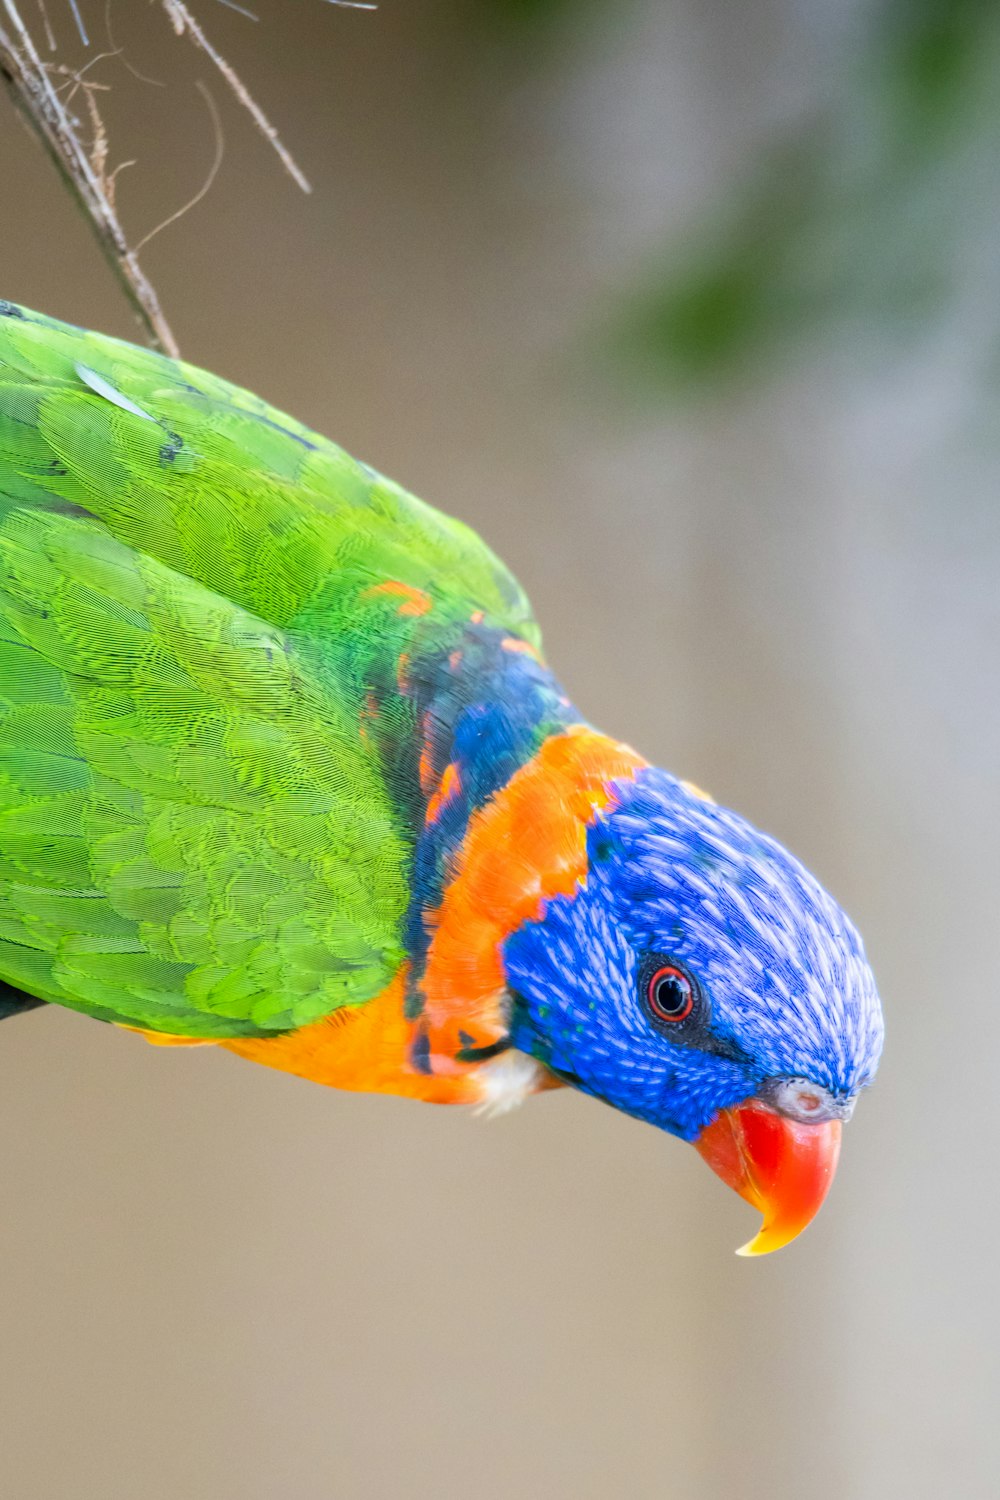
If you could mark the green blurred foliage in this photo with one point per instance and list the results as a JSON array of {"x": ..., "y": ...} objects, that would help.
[
  {"x": 534, "y": 13},
  {"x": 862, "y": 215}
]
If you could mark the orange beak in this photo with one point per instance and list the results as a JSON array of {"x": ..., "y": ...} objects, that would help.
[{"x": 783, "y": 1167}]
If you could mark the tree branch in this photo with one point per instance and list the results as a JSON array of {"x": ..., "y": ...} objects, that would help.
[
  {"x": 31, "y": 87},
  {"x": 183, "y": 21}
]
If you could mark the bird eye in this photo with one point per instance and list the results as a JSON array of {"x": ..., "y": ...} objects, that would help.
[{"x": 670, "y": 994}]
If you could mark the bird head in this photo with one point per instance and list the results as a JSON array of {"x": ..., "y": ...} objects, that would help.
[{"x": 701, "y": 979}]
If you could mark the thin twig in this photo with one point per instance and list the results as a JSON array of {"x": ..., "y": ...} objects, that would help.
[
  {"x": 33, "y": 91},
  {"x": 183, "y": 21},
  {"x": 85, "y": 39},
  {"x": 50, "y": 35},
  {"x": 120, "y": 51},
  {"x": 212, "y": 172},
  {"x": 240, "y": 9}
]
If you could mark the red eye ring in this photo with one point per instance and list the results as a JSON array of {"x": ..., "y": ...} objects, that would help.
[{"x": 670, "y": 994}]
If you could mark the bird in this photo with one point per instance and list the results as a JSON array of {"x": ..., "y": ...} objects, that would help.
[{"x": 284, "y": 770}]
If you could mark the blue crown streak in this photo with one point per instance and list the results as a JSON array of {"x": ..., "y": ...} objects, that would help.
[{"x": 782, "y": 969}]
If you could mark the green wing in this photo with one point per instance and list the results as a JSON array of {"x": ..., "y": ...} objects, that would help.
[{"x": 197, "y": 835}]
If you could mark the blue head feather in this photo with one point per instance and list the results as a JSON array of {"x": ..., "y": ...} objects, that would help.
[{"x": 784, "y": 988}]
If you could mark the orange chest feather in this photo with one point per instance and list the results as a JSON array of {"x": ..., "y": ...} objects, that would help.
[
  {"x": 527, "y": 845},
  {"x": 362, "y": 1047}
]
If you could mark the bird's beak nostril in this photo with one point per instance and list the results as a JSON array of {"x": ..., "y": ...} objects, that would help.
[{"x": 798, "y": 1099}]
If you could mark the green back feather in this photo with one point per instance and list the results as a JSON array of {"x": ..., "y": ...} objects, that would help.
[{"x": 196, "y": 834}]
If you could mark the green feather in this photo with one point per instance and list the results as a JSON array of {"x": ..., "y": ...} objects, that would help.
[{"x": 196, "y": 835}]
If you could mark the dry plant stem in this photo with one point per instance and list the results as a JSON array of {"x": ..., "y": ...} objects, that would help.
[
  {"x": 206, "y": 186},
  {"x": 50, "y": 35},
  {"x": 32, "y": 89},
  {"x": 183, "y": 21}
]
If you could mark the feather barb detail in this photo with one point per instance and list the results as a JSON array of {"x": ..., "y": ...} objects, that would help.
[{"x": 525, "y": 846}]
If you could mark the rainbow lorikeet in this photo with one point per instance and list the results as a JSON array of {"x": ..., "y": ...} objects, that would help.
[{"x": 282, "y": 769}]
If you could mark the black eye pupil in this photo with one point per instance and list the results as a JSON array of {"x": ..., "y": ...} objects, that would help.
[
  {"x": 671, "y": 995},
  {"x": 668, "y": 991}
]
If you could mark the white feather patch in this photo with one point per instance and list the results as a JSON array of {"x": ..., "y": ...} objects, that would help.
[
  {"x": 506, "y": 1081},
  {"x": 102, "y": 387}
]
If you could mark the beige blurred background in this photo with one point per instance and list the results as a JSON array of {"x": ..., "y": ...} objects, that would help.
[{"x": 777, "y": 575}]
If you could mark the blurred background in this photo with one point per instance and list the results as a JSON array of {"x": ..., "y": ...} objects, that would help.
[{"x": 692, "y": 308}]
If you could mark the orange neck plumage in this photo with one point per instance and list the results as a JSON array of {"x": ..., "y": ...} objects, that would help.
[{"x": 526, "y": 845}]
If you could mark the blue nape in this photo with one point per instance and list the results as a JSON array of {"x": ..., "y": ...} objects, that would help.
[{"x": 485, "y": 708}]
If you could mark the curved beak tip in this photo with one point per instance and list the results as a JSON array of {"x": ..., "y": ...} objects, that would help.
[
  {"x": 766, "y": 1240},
  {"x": 783, "y": 1167}
]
